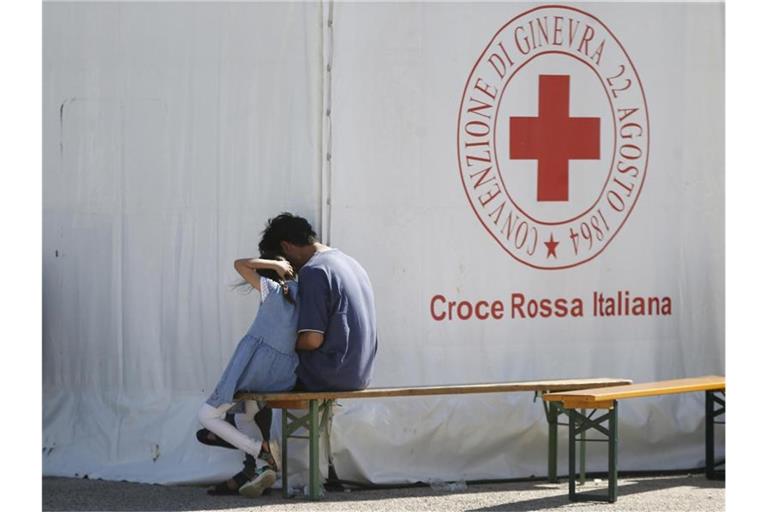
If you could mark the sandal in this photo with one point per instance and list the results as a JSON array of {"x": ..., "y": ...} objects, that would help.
[
  {"x": 231, "y": 486},
  {"x": 205, "y": 436}
]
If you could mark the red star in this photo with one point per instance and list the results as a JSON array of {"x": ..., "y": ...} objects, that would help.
[{"x": 551, "y": 246}]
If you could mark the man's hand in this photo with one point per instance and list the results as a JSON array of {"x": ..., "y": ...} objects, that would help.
[{"x": 309, "y": 340}]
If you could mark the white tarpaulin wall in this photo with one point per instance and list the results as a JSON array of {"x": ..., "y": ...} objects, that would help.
[{"x": 172, "y": 131}]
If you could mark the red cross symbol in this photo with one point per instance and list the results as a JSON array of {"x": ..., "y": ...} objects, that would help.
[{"x": 554, "y": 138}]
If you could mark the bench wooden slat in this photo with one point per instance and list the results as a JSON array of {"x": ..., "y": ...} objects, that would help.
[
  {"x": 646, "y": 389},
  {"x": 499, "y": 387},
  {"x": 578, "y": 404},
  {"x": 289, "y": 404}
]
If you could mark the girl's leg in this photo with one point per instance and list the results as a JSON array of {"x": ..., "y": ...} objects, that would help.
[
  {"x": 256, "y": 475},
  {"x": 263, "y": 419},
  {"x": 207, "y": 437},
  {"x": 212, "y": 418},
  {"x": 267, "y": 472}
]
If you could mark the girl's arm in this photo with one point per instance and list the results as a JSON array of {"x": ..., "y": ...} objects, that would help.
[{"x": 247, "y": 267}]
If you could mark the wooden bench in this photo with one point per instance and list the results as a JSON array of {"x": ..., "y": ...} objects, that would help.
[
  {"x": 577, "y": 402},
  {"x": 318, "y": 405}
]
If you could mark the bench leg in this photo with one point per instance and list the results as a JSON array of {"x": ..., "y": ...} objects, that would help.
[
  {"x": 712, "y": 412},
  {"x": 613, "y": 453},
  {"x": 572, "y": 456},
  {"x": 284, "y": 452},
  {"x": 315, "y": 490},
  {"x": 552, "y": 412},
  {"x": 583, "y": 455},
  {"x": 578, "y": 425}
]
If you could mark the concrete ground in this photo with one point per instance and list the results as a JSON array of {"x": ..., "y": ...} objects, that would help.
[{"x": 689, "y": 492}]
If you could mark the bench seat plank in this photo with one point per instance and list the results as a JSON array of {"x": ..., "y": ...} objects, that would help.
[
  {"x": 499, "y": 387},
  {"x": 646, "y": 389}
]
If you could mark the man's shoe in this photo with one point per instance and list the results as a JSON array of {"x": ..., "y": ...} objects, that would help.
[{"x": 264, "y": 479}]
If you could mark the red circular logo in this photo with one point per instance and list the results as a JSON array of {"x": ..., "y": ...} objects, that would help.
[{"x": 553, "y": 137}]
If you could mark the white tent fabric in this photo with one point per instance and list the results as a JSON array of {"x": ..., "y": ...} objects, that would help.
[
  {"x": 173, "y": 131},
  {"x": 399, "y": 206}
]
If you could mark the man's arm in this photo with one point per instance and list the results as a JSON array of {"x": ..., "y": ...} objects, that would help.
[
  {"x": 314, "y": 309},
  {"x": 309, "y": 340}
]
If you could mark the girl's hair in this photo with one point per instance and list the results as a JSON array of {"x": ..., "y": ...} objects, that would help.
[{"x": 269, "y": 274}]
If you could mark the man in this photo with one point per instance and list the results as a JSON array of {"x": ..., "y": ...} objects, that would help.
[{"x": 337, "y": 339}]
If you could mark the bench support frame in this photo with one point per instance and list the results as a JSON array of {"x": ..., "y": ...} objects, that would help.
[
  {"x": 580, "y": 424},
  {"x": 553, "y": 410},
  {"x": 316, "y": 421}
]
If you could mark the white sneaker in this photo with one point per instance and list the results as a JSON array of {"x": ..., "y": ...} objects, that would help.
[{"x": 264, "y": 479}]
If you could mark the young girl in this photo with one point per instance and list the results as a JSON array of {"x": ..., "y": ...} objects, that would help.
[{"x": 265, "y": 360}]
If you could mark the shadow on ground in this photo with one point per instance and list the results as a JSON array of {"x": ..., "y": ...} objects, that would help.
[
  {"x": 627, "y": 487},
  {"x": 91, "y": 495}
]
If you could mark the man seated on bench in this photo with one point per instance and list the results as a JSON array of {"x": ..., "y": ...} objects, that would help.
[{"x": 337, "y": 339}]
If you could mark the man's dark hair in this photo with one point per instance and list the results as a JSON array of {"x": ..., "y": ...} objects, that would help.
[{"x": 286, "y": 227}]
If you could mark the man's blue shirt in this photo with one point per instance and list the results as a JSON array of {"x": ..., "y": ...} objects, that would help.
[{"x": 336, "y": 299}]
